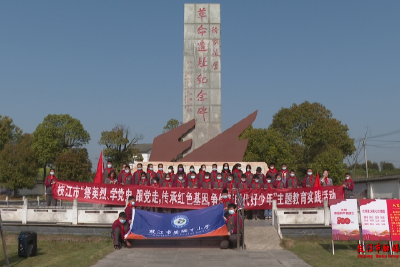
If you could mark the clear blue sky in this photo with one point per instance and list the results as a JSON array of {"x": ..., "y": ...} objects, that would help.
[{"x": 108, "y": 62}]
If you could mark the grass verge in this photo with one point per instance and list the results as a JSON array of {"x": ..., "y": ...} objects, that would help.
[
  {"x": 317, "y": 252},
  {"x": 59, "y": 250}
]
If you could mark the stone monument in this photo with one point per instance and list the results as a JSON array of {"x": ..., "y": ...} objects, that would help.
[{"x": 202, "y": 72}]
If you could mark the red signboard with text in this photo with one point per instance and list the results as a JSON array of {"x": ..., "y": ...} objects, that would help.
[
  {"x": 187, "y": 198},
  {"x": 393, "y": 208}
]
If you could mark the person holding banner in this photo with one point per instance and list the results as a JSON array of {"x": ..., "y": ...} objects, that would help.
[
  {"x": 137, "y": 174},
  {"x": 268, "y": 185},
  {"x": 292, "y": 181},
  {"x": 231, "y": 223},
  {"x": 325, "y": 181},
  {"x": 348, "y": 186},
  {"x": 50, "y": 180},
  {"x": 225, "y": 201},
  {"x": 219, "y": 184},
  {"x": 119, "y": 228},
  {"x": 129, "y": 208}
]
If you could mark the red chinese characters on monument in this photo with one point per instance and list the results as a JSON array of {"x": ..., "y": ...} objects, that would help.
[
  {"x": 215, "y": 53},
  {"x": 202, "y": 63},
  {"x": 202, "y": 13},
  {"x": 201, "y": 96},
  {"x": 215, "y": 65},
  {"x": 202, "y": 111},
  {"x": 201, "y": 47},
  {"x": 215, "y": 41},
  {"x": 215, "y": 30},
  {"x": 201, "y": 79},
  {"x": 201, "y": 30}
]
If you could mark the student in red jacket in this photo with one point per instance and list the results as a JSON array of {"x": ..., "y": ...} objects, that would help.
[
  {"x": 180, "y": 182},
  {"x": 214, "y": 172},
  {"x": 167, "y": 181},
  {"x": 143, "y": 179},
  {"x": 201, "y": 174},
  {"x": 219, "y": 184},
  {"x": 192, "y": 181},
  {"x": 309, "y": 180},
  {"x": 268, "y": 185},
  {"x": 231, "y": 223},
  {"x": 129, "y": 208},
  {"x": 207, "y": 183},
  {"x": 137, "y": 174},
  {"x": 279, "y": 184},
  {"x": 231, "y": 182},
  {"x": 248, "y": 173},
  {"x": 348, "y": 186},
  {"x": 225, "y": 172},
  {"x": 121, "y": 173},
  {"x": 226, "y": 201},
  {"x": 292, "y": 181},
  {"x": 237, "y": 172},
  {"x": 107, "y": 170},
  {"x": 171, "y": 173},
  {"x": 150, "y": 173},
  {"x": 180, "y": 171},
  {"x": 284, "y": 173},
  {"x": 160, "y": 172},
  {"x": 50, "y": 180},
  {"x": 119, "y": 228},
  {"x": 191, "y": 169},
  {"x": 272, "y": 171},
  {"x": 243, "y": 182}
]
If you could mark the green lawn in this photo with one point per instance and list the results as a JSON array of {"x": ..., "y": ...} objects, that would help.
[
  {"x": 59, "y": 250},
  {"x": 317, "y": 252}
]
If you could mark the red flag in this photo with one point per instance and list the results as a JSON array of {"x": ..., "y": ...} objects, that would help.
[
  {"x": 98, "y": 178},
  {"x": 317, "y": 181}
]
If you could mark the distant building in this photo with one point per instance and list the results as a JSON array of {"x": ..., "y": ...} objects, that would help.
[
  {"x": 385, "y": 187},
  {"x": 145, "y": 150}
]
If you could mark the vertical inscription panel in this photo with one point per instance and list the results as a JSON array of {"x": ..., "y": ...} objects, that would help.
[{"x": 202, "y": 71}]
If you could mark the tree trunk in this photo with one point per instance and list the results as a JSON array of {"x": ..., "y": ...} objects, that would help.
[
  {"x": 15, "y": 192},
  {"x": 44, "y": 172}
]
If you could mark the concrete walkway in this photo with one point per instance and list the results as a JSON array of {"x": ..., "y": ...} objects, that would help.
[{"x": 262, "y": 243}]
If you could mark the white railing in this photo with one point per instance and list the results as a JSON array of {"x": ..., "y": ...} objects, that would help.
[{"x": 67, "y": 215}]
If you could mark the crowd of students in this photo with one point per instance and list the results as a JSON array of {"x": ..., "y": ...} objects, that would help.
[
  {"x": 225, "y": 178},
  {"x": 219, "y": 179}
]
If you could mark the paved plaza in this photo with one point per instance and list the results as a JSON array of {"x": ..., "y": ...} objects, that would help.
[{"x": 262, "y": 243}]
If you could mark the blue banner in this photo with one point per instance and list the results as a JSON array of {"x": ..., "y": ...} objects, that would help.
[{"x": 195, "y": 223}]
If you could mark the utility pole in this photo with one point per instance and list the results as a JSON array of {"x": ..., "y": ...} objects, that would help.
[{"x": 365, "y": 156}]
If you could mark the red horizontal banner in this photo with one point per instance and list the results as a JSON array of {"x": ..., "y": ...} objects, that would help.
[{"x": 188, "y": 198}]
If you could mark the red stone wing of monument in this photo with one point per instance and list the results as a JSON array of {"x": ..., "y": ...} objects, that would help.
[
  {"x": 167, "y": 146},
  {"x": 224, "y": 147}
]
